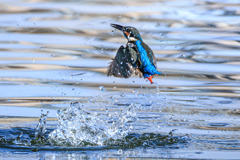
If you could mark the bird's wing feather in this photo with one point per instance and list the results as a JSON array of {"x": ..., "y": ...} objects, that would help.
[
  {"x": 150, "y": 54},
  {"x": 124, "y": 63}
]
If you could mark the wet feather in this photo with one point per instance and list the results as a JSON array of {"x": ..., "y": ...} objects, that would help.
[{"x": 125, "y": 62}]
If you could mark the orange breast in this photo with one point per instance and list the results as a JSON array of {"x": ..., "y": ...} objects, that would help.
[{"x": 126, "y": 33}]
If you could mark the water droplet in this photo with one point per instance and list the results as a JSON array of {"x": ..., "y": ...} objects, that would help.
[
  {"x": 120, "y": 151},
  {"x": 144, "y": 144},
  {"x": 101, "y": 88},
  {"x": 122, "y": 95}
]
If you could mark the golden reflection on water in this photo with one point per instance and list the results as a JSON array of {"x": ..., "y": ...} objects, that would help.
[{"x": 56, "y": 52}]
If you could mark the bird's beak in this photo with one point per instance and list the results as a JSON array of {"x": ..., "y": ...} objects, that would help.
[
  {"x": 119, "y": 27},
  {"x": 126, "y": 34}
]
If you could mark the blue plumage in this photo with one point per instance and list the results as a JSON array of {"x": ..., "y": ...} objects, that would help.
[{"x": 147, "y": 67}]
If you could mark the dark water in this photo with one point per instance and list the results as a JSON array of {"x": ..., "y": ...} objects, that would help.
[{"x": 53, "y": 53}]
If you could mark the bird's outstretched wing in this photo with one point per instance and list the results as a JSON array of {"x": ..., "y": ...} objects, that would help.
[{"x": 124, "y": 63}]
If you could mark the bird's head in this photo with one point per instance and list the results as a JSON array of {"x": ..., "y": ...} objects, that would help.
[{"x": 129, "y": 32}]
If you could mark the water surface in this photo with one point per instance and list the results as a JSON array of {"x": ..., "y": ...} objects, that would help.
[{"x": 53, "y": 53}]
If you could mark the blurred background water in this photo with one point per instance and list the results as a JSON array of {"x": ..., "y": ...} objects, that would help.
[{"x": 55, "y": 52}]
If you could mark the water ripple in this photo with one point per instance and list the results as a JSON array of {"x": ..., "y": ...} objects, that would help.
[{"x": 53, "y": 53}]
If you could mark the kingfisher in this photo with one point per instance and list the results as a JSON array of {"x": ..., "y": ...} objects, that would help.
[{"x": 137, "y": 57}]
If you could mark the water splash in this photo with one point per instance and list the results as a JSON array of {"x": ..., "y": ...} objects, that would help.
[
  {"x": 79, "y": 128},
  {"x": 41, "y": 127},
  {"x": 26, "y": 136}
]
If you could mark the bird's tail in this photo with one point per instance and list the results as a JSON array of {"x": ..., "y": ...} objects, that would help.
[{"x": 157, "y": 72}]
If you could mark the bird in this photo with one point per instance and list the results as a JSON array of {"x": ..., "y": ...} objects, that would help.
[{"x": 136, "y": 57}]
